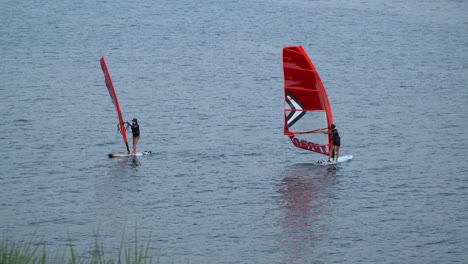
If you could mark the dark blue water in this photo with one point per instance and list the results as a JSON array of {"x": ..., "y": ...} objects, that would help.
[{"x": 224, "y": 185}]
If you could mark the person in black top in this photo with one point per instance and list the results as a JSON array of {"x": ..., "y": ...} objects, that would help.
[
  {"x": 335, "y": 143},
  {"x": 136, "y": 134}
]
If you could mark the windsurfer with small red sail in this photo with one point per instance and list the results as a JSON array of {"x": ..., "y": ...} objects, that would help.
[{"x": 335, "y": 147}]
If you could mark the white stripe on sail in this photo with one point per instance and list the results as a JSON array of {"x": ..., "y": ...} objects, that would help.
[{"x": 296, "y": 107}]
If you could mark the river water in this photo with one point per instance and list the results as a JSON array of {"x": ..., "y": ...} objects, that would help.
[{"x": 204, "y": 78}]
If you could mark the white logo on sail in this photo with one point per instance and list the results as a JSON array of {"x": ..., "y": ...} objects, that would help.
[{"x": 296, "y": 110}]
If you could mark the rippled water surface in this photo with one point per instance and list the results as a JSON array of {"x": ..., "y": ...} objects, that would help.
[{"x": 224, "y": 185}]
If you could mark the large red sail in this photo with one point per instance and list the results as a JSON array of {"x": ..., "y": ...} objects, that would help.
[
  {"x": 306, "y": 104},
  {"x": 115, "y": 100}
]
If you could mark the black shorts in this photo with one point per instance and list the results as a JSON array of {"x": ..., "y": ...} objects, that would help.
[
  {"x": 134, "y": 137},
  {"x": 337, "y": 143}
]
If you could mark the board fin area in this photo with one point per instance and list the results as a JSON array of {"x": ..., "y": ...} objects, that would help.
[
  {"x": 138, "y": 154},
  {"x": 340, "y": 160}
]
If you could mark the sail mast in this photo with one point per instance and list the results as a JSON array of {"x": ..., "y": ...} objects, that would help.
[{"x": 115, "y": 100}]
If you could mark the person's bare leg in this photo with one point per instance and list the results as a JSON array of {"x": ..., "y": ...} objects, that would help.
[
  {"x": 337, "y": 154},
  {"x": 135, "y": 142},
  {"x": 331, "y": 153}
]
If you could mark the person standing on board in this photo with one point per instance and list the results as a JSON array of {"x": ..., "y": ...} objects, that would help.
[
  {"x": 136, "y": 134},
  {"x": 335, "y": 143}
]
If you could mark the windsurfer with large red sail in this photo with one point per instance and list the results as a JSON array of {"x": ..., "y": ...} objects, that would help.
[{"x": 307, "y": 108}]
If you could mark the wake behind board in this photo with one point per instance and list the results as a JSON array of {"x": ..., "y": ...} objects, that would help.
[
  {"x": 138, "y": 154},
  {"x": 340, "y": 160}
]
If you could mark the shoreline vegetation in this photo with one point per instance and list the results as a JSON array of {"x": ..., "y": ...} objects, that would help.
[{"x": 37, "y": 252}]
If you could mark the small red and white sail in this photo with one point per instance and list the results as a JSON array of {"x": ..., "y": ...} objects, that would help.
[
  {"x": 115, "y": 100},
  {"x": 307, "y": 110}
]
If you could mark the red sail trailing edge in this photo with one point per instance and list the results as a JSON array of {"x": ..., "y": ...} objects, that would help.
[
  {"x": 115, "y": 100},
  {"x": 305, "y": 95}
]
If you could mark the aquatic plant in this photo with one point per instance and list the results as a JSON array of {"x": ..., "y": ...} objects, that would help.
[{"x": 36, "y": 252}]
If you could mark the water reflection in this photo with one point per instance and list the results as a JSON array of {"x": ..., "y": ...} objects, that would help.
[
  {"x": 120, "y": 167},
  {"x": 113, "y": 194},
  {"x": 134, "y": 163},
  {"x": 305, "y": 201},
  {"x": 112, "y": 186}
]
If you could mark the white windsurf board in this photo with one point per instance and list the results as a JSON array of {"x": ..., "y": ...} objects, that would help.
[
  {"x": 138, "y": 154},
  {"x": 340, "y": 160}
]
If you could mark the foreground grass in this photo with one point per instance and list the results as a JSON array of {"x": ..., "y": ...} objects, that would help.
[{"x": 33, "y": 252}]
